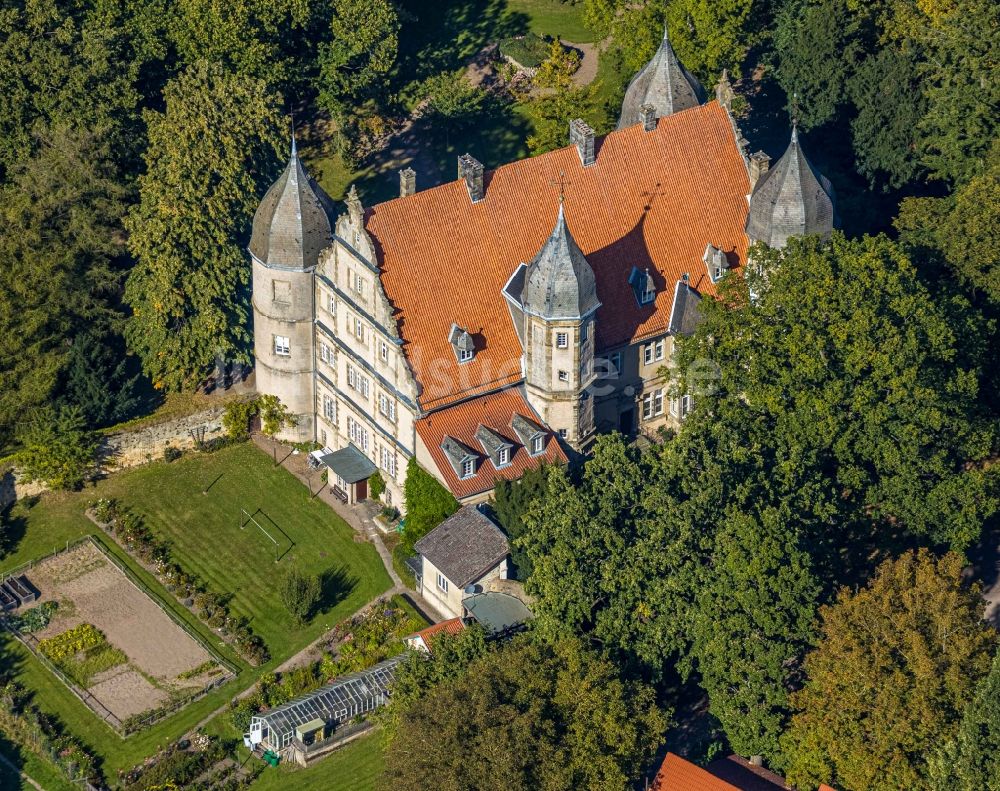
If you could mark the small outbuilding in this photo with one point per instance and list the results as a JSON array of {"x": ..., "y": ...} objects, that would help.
[
  {"x": 350, "y": 470},
  {"x": 458, "y": 557}
]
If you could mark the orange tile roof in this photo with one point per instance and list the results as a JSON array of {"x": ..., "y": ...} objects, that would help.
[
  {"x": 733, "y": 773},
  {"x": 676, "y": 774},
  {"x": 653, "y": 199},
  {"x": 451, "y": 626},
  {"x": 494, "y": 411}
]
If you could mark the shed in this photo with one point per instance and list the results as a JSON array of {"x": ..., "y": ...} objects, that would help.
[{"x": 350, "y": 470}]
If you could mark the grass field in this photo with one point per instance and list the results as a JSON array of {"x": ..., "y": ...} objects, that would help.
[
  {"x": 355, "y": 767},
  {"x": 204, "y": 534},
  {"x": 553, "y": 18}
]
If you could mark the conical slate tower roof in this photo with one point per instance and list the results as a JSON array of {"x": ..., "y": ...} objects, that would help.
[
  {"x": 663, "y": 83},
  {"x": 790, "y": 199},
  {"x": 560, "y": 283},
  {"x": 293, "y": 223}
]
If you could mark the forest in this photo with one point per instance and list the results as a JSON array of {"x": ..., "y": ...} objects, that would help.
[{"x": 794, "y": 560}]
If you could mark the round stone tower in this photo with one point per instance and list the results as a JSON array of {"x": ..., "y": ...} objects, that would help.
[{"x": 291, "y": 228}]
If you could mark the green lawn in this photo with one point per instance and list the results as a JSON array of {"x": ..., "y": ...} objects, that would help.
[
  {"x": 355, "y": 767},
  {"x": 553, "y": 18},
  {"x": 205, "y": 538}
]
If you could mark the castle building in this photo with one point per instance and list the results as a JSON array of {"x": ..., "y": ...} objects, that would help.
[{"x": 503, "y": 319}]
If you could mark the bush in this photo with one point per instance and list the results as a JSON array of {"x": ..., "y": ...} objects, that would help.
[
  {"x": 428, "y": 504},
  {"x": 104, "y": 509},
  {"x": 35, "y": 619},
  {"x": 170, "y": 453},
  {"x": 376, "y": 485},
  {"x": 299, "y": 593},
  {"x": 237, "y": 417},
  {"x": 528, "y": 50}
]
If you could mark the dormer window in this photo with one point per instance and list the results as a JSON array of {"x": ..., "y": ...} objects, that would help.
[
  {"x": 716, "y": 262},
  {"x": 462, "y": 344},
  {"x": 494, "y": 445},
  {"x": 642, "y": 286},
  {"x": 537, "y": 444},
  {"x": 531, "y": 434},
  {"x": 461, "y": 457}
]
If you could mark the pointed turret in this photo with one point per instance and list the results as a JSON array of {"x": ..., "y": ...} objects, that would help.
[
  {"x": 790, "y": 199},
  {"x": 293, "y": 224},
  {"x": 559, "y": 283},
  {"x": 663, "y": 83}
]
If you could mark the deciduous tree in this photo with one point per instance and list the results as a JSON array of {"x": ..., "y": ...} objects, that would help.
[
  {"x": 897, "y": 662},
  {"x": 56, "y": 447},
  {"x": 299, "y": 593},
  {"x": 212, "y": 153},
  {"x": 530, "y": 715},
  {"x": 428, "y": 504}
]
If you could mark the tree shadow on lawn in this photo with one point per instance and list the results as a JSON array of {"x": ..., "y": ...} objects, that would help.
[
  {"x": 13, "y": 528},
  {"x": 335, "y": 585}
]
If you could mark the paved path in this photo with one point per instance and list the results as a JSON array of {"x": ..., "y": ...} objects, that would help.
[{"x": 22, "y": 775}]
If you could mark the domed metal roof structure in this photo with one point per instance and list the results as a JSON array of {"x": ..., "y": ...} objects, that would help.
[
  {"x": 663, "y": 83},
  {"x": 293, "y": 223},
  {"x": 790, "y": 199},
  {"x": 560, "y": 283}
]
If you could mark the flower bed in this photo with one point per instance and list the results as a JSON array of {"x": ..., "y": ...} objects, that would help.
[
  {"x": 527, "y": 51},
  {"x": 139, "y": 541},
  {"x": 82, "y": 653}
]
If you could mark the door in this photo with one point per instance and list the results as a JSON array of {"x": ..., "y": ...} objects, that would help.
[
  {"x": 361, "y": 490},
  {"x": 626, "y": 421}
]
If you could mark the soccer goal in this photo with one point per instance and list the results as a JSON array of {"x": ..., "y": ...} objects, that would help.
[{"x": 245, "y": 520}]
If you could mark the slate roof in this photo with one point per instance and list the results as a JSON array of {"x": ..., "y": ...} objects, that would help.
[
  {"x": 497, "y": 412},
  {"x": 664, "y": 83},
  {"x": 684, "y": 315},
  {"x": 350, "y": 464},
  {"x": 559, "y": 283},
  {"x": 464, "y": 546},
  {"x": 293, "y": 223},
  {"x": 790, "y": 199},
  {"x": 652, "y": 199}
]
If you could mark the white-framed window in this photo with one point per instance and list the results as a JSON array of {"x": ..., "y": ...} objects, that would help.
[
  {"x": 331, "y": 305},
  {"x": 647, "y": 354},
  {"x": 442, "y": 582},
  {"x": 325, "y": 353},
  {"x": 562, "y": 340},
  {"x": 652, "y": 404},
  {"x": 537, "y": 444},
  {"x": 358, "y": 381},
  {"x": 358, "y": 283},
  {"x": 468, "y": 468},
  {"x": 680, "y": 407},
  {"x": 563, "y": 376},
  {"x": 352, "y": 377},
  {"x": 658, "y": 348},
  {"x": 387, "y": 461},
  {"x": 329, "y": 409},
  {"x": 358, "y": 433},
  {"x": 648, "y": 292},
  {"x": 359, "y": 329},
  {"x": 653, "y": 352},
  {"x": 387, "y": 406},
  {"x": 282, "y": 345},
  {"x": 503, "y": 456},
  {"x": 563, "y": 433},
  {"x": 383, "y": 351},
  {"x": 464, "y": 355}
]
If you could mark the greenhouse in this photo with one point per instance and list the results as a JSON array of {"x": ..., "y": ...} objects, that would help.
[{"x": 311, "y": 719}]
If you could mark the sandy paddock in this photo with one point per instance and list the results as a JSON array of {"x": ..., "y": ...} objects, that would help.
[{"x": 91, "y": 589}]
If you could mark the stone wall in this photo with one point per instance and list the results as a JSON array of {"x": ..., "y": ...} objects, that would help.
[{"x": 132, "y": 447}]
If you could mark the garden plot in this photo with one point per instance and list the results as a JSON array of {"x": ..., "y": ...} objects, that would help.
[{"x": 112, "y": 640}]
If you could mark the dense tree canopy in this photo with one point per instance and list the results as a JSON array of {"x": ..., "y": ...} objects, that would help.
[
  {"x": 528, "y": 715},
  {"x": 212, "y": 153},
  {"x": 897, "y": 662},
  {"x": 428, "y": 503},
  {"x": 60, "y": 214},
  {"x": 863, "y": 386}
]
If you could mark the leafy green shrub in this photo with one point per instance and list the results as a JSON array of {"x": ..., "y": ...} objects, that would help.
[
  {"x": 300, "y": 593},
  {"x": 376, "y": 485},
  {"x": 529, "y": 50},
  {"x": 428, "y": 504},
  {"x": 35, "y": 619},
  {"x": 236, "y": 419},
  {"x": 104, "y": 509}
]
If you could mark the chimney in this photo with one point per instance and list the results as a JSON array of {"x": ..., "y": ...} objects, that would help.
[
  {"x": 647, "y": 116},
  {"x": 582, "y": 136},
  {"x": 724, "y": 91},
  {"x": 407, "y": 182},
  {"x": 759, "y": 163},
  {"x": 756, "y": 760},
  {"x": 471, "y": 169}
]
